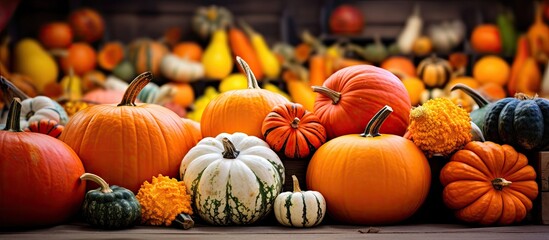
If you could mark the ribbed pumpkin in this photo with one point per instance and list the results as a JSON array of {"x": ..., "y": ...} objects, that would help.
[
  {"x": 240, "y": 110},
  {"x": 299, "y": 208},
  {"x": 434, "y": 71},
  {"x": 370, "y": 178},
  {"x": 129, "y": 143},
  {"x": 146, "y": 55},
  {"x": 39, "y": 177},
  {"x": 486, "y": 183},
  {"x": 232, "y": 178},
  {"x": 521, "y": 122},
  {"x": 293, "y": 131},
  {"x": 351, "y": 96}
]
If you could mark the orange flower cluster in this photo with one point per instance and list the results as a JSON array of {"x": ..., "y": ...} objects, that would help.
[{"x": 162, "y": 200}]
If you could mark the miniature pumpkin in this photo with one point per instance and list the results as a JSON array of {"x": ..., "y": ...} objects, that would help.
[
  {"x": 292, "y": 130},
  {"x": 491, "y": 68},
  {"x": 232, "y": 178},
  {"x": 485, "y": 38},
  {"x": 415, "y": 88},
  {"x": 353, "y": 95},
  {"x": 189, "y": 50},
  {"x": 109, "y": 207},
  {"x": 520, "y": 122},
  {"x": 239, "y": 110},
  {"x": 81, "y": 57},
  {"x": 110, "y": 55},
  {"x": 108, "y": 138},
  {"x": 434, "y": 71},
  {"x": 181, "y": 70},
  {"x": 299, "y": 208},
  {"x": 87, "y": 24},
  {"x": 370, "y": 178},
  {"x": 45, "y": 126},
  {"x": 486, "y": 183},
  {"x": 47, "y": 169},
  {"x": 179, "y": 93},
  {"x": 208, "y": 19},
  {"x": 146, "y": 55},
  {"x": 55, "y": 35}
]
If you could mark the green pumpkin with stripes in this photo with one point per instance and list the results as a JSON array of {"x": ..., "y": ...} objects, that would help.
[{"x": 299, "y": 208}]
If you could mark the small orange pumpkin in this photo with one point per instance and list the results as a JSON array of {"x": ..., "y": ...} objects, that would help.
[
  {"x": 188, "y": 50},
  {"x": 488, "y": 183},
  {"x": 434, "y": 71},
  {"x": 87, "y": 24},
  {"x": 81, "y": 57},
  {"x": 402, "y": 67},
  {"x": 292, "y": 130},
  {"x": 55, "y": 35},
  {"x": 110, "y": 55},
  {"x": 146, "y": 55}
]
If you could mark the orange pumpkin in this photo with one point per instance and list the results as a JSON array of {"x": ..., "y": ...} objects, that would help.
[
  {"x": 81, "y": 57},
  {"x": 55, "y": 35},
  {"x": 92, "y": 80},
  {"x": 188, "y": 50},
  {"x": 353, "y": 95},
  {"x": 486, "y": 39},
  {"x": 39, "y": 177},
  {"x": 110, "y": 55},
  {"x": 292, "y": 130},
  {"x": 402, "y": 67},
  {"x": 370, "y": 178},
  {"x": 492, "y": 68},
  {"x": 146, "y": 55},
  {"x": 193, "y": 127},
  {"x": 487, "y": 183},
  {"x": 87, "y": 24},
  {"x": 434, "y": 71},
  {"x": 240, "y": 110},
  {"x": 129, "y": 143}
]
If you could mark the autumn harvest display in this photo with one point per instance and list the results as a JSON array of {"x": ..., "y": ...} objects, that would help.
[{"x": 164, "y": 131}]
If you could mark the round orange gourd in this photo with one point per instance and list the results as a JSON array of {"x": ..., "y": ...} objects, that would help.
[
  {"x": 110, "y": 55},
  {"x": 485, "y": 38},
  {"x": 370, "y": 178},
  {"x": 491, "y": 68},
  {"x": 81, "y": 57},
  {"x": 146, "y": 55},
  {"x": 415, "y": 87},
  {"x": 188, "y": 50},
  {"x": 39, "y": 177},
  {"x": 487, "y": 183},
  {"x": 240, "y": 110},
  {"x": 434, "y": 71},
  {"x": 129, "y": 143},
  {"x": 87, "y": 24},
  {"x": 55, "y": 35},
  {"x": 292, "y": 130},
  {"x": 402, "y": 67},
  {"x": 353, "y": 95},
  {"x": 180, "y": 93}
]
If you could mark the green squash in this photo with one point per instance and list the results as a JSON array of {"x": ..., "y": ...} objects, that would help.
[
  {"x": 522, "y": 122},
  {"x": 477, "y": 116},
  {"x": 111, "y": 207}
]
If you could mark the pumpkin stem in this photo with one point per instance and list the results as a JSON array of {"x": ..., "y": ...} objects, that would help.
[
  {"x": 134, "y": 88},
  {"x": 94, "y": 178},
  {"x": 500, "y": 183},
  {"x": 10, "y": 91},
  {"x": 296, "y": 184},
  {"x": 480, "y": 100},
  {"x": 252, "y": 81},
  {"x": 13, "y": 123},
  {"x": 230, "y": 151},
  {"x": 372, "y": 129},
  {"x": 295, "y": 122},
  {"x": 335, "y": 96}
]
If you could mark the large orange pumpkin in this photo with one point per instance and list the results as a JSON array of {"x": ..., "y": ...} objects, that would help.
[
  {"x": 129, "y": 143},
  {"x": 292, "y": 130},
  {"x": 351, "y": 96},
  {"x": 87, "y": 24},
  {"x": 241, "y": 110},
  {"x": 370, "y": 178},
  {"x": 39, "y": 177},
  {"x": 487, "y": 183}
]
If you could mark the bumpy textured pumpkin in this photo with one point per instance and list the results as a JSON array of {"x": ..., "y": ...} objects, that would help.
[
  {"x": 129, "y": 143},
  {"x": 299, "y": 208},
  {"x": 434, "y": 71},
  {"x": 109, "y": 207},
  {"x": 239, "y": 110},
  {"x": 39, "y": 177},
  {"x": 486, "y": 183},
  {"x": 293, "y": 131},
  {"x": 521, "y": 122},
  {"x": 370, "y": 178},
  {"x": 233, "y": 178},
  {"x": 351, "y": 96}
]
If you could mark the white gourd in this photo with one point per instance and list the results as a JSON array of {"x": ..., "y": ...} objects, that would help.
[
  {"x": 181, "y": 70},
  {"x": 411, "y": 32},
  {"x": 299, "y": 208}
]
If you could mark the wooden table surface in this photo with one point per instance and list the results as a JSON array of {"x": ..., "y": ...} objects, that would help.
[{"x": 412, "y": 231}]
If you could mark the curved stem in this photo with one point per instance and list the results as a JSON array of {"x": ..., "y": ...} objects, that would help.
[
  {"x": 94, "y": 178},
  {"x": 10, "y": 91},
  {"x": 335, "y": 96},
  {"x": 295, "y": 122},
  {"x": 373, "y": 126},
  {"x": 134, "y": 88},
  {"x": 296, "y": 184},
  {"x": 230, "y": 151},
  {"x": 500, "y": 183},
  {"x": 13, "y": 123},
  {"x": 480, "y": 100},
  {"x": 252, "y": 81}
]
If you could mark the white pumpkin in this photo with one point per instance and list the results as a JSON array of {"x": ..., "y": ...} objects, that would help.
[
  {"x": 232, "y": 178},
  {"x": 181, "y": 70},
  {"x": 299, "y": 208}
]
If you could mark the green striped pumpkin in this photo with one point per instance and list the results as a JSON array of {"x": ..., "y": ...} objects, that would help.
[
  {"x": 299, "y": 208},
  {"x": 233, "y": 178},
  {"x": 146, "y": 55}
]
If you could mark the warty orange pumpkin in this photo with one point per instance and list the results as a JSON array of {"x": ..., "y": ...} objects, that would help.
[
  {"x": 129, "y": 143},
  {"x": 370, "y": 178},
  {"x": 486, "y": 183}
]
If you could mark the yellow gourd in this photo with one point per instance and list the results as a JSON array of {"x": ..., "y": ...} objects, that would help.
[
  {"x": 269, "y": 61},
  {"x": 72, "y": 86},
  {"x": 33, "y": 61},
  {"x": 217, "y": 59}
]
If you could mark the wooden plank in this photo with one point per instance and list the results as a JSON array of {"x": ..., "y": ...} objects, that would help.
[
  {"x": 544, "y": 208},
  {"x": 543, "y": 171}
]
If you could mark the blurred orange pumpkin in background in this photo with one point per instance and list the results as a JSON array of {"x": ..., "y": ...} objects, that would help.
[
  {"x": 81, "y": 57},
  {"x": 346, "y": 19},
  {"x": 486, "y": 39},
  {"x": 55, "y": 35},
  {"x": 88, "y": 25}
]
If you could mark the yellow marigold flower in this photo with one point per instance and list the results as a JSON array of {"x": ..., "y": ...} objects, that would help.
[
  {"x": 162, "y": 200},
  {"x": 440, "y": 126}
]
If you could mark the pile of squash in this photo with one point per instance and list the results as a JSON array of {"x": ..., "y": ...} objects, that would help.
[{"x": 367, "y": 129}]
